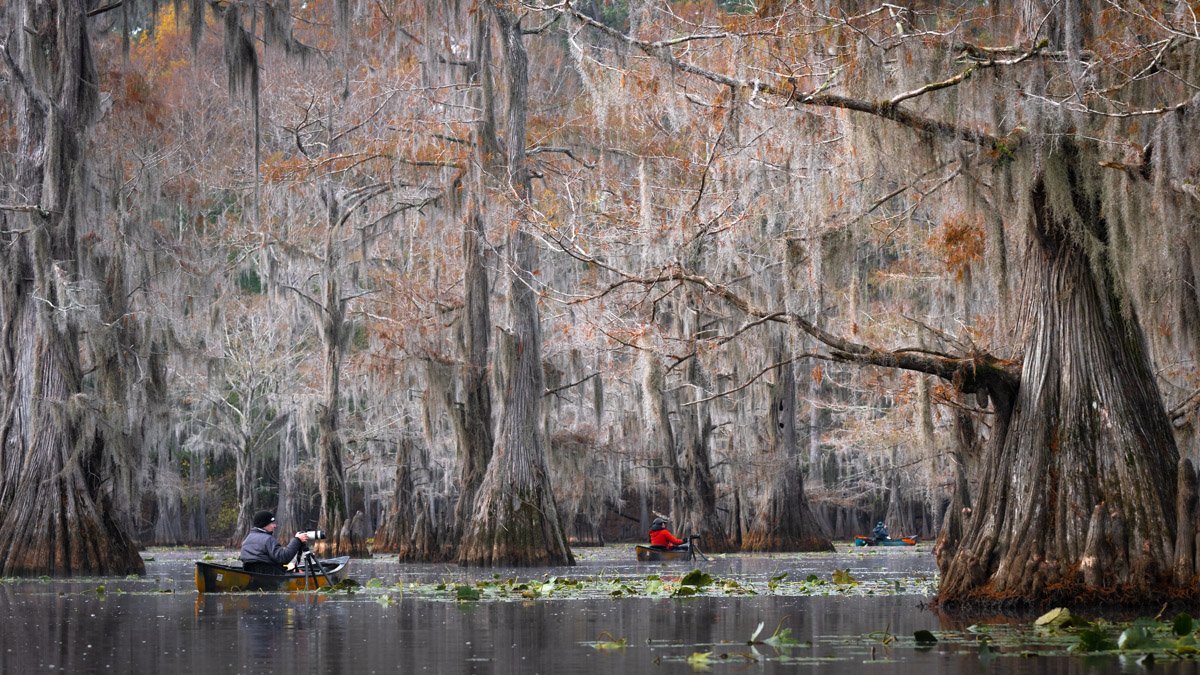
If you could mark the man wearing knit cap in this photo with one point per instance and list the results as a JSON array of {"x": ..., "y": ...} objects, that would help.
[{"x": 261, "y": 553}]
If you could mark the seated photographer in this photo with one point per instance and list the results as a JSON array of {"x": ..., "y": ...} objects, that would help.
[
  {"x": 261, "y": 553},
  {"x": 661, "y": 537}
]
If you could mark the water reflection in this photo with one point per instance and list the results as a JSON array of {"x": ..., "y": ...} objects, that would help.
[{"x": 159, "y": 624}]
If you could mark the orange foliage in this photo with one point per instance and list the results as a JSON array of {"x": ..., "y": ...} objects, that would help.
[{"x": 960, "y": 242}]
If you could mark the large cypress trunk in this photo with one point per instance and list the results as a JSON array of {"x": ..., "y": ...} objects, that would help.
[
  {"x": 474, "y": 420},
  {"x": 696, "y": 508},
  {"x": 1077, "y": 497},
  {"x": 331, "y": 476},
  {"x": 54, "y": 482},
  {"x": 516, "y": 520},
  {"x": 413, "y": 528},
  {"x": 660, "y": 436},
  {"x": 244, "y": 473},
  {"x": 168, "y": 522},
  {"x": 475, "y": 437},
  {"x": 168, "y": 491},
  {"x": 784, "y": 520},
  {"x": 331, "y": 481},
  {"x": 410, "y": 528}
]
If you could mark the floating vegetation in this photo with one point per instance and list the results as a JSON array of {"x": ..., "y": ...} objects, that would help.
[
  {"x": 608, "y": 644},
  {"x": 1059, "y": 633},
  {"x": 347, "y": 586},
  {"x": 688, "y": 584},
  {"x": 843, "y": 578},
  {"x": 782, "y": 637}
]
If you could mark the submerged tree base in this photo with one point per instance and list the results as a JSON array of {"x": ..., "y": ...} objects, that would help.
[
  {"x": 1076, "y": 597},
  {"x": 514, "y": 531},
  {"x": 779, "y": 543}
]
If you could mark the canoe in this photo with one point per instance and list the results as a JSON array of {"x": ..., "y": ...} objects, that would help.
[
  {"x": 216, "y": 578},
  {"x": 862, "y": 540},
  {"x": 655, "y": 554}
]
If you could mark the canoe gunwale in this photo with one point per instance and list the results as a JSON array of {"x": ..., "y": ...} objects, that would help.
[
  {"x": 221, "y": 578},
  {"x": 647, "y": 553}
]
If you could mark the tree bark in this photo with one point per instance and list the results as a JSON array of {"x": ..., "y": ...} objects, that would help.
[
  {"x": 1083, "y": 460},
  {"x": 331, "y": 479},
  {"x": 476, "y": 439},
  {"x": 964, "y": 455},
  {"x": 659, "y": 435},
  {"x": 516, "y": 520},
  {"x": 244, "y": 488},
  {"x": 412, "y": 528},
  {"x": 784, "y": 520},
  {"x": 409, "y": 529},
  {"x": 289, "y": 512},
  {"x": 168, "y": 522},
  {"x": 696, "y": 510},
  {"x": 55, "y": 490},
  {"x": 476, "y": 435}
]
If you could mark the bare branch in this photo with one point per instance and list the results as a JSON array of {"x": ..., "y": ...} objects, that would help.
[
  {"x": 884, "y": 108},
  {"x": 1179, "y": 413},
  {"x": 26, "y": 208},
  {"x": 538, "y": 149},
  {"x": 568, "y": 386},
  {"x": 100, "y": 10},
  {"x": 758, "y": 376},
  {"x": 962, "y": 77}
]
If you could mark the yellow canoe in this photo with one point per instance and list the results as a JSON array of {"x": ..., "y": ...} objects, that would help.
[{"x": 216, "y": 578}]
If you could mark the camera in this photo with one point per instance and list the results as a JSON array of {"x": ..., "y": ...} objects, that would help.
[{"x": 315, "y": 535}]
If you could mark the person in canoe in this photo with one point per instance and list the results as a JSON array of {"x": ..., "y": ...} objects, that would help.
[
  {"x": 880, "y": 532},
  {"x": 661, "y": 536},
  {"x": 262, "y": 553}
]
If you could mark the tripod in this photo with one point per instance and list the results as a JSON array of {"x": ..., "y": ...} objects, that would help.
[
  {"x": 693, "y": 544},
  {"x": 311, "y": 567}
]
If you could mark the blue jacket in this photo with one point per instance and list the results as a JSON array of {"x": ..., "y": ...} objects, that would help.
[{"x": 261, "y": 546}]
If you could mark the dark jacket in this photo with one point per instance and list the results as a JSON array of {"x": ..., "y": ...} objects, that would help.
[{"x": 260, "y": 547}]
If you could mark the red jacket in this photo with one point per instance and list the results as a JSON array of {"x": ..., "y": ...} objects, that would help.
[{"x": 664, "y": 538}]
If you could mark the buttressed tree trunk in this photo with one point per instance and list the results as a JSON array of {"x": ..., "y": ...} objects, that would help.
[
  {"x": 696, "y": 512},
  {"x": 1077, "y": 493},
  {"x": 474, "y": 420},
  {"x": 659, "y": 435},
  {"x": 475, "y": 439},
  {"x": 411, "y": 528},
  {"x": 516, "y": 520},
  {"x": 784, "y": 520},
  {"x": 331, "y": 479},
  {"x": 56, "y": 516}
]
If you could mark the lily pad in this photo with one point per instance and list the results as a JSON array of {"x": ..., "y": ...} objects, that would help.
[
  {"x": 467, "y": 593},
  {"x": 843, "y": 578}
]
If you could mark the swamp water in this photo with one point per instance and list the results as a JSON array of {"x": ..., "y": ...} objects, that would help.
[{"x": 857, "y": 610}]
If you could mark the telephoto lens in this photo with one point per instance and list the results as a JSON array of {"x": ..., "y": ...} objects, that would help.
[{"x": 314, "y": 535}]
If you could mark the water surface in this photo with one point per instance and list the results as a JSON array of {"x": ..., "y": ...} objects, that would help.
[{"x": 402, "y": 622}]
